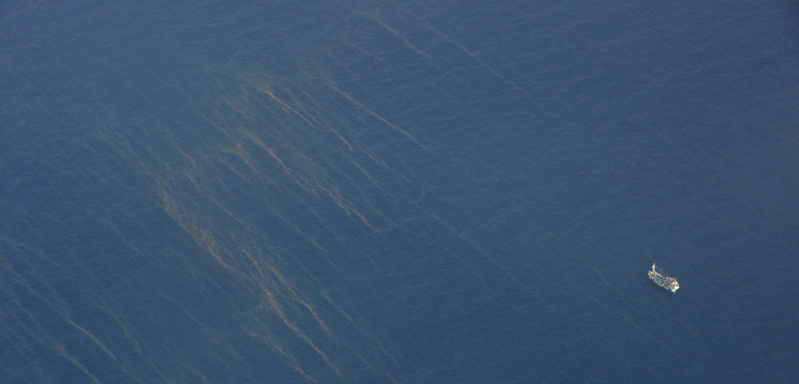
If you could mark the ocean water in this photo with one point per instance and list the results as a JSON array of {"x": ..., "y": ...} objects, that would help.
[{"x": 398, "y": 191}]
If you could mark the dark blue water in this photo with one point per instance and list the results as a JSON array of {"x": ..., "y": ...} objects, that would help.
[{"x": 398, "y": 192}]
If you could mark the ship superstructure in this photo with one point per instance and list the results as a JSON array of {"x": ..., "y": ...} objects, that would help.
[{"x": 668, "y": 283}]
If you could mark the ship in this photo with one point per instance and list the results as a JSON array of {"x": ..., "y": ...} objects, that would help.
[{"x": 666, "y": 282}]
